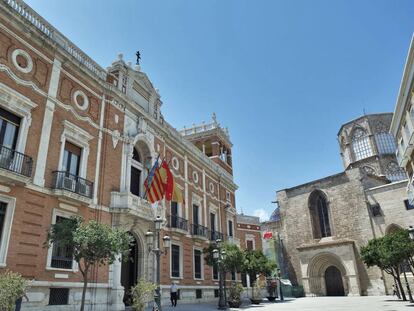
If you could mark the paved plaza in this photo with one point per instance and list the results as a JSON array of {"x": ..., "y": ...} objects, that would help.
[{"x": 375, "y": 303}]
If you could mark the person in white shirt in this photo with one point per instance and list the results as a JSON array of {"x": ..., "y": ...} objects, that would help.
[{"x": 173, "y": 294}]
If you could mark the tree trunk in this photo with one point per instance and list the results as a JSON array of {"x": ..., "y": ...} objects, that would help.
[
  {"x": 85, "y": 285},
  {"x": 397, "y": 277}
]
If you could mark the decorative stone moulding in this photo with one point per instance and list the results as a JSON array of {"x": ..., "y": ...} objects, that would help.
[
  {"x": 22, "y": 61},
  {"x": 175, "y": 163},
  {"x": 211, "y": 187},
  {"x": 81, "y": 100},
  {"x": 195, "y": 177}
]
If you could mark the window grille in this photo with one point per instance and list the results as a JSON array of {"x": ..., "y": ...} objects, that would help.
[
  {"x": 385, "y": 143},
  {"x": 175, "y": 261},
  {"x": 361, "y": 144},
  {"x": 197, "y": 264},
  {"x": 376, "y": 210},
  {"x": 62, "y": 257},
  {"x": 394, "y": 172},
  {"x": 59, "y": 296},
  {"x": 216, "y": 293},
  {"x": 199, "y": 294}
]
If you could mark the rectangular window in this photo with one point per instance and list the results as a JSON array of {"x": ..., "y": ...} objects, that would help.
[
  {"x": 215, "y": 271},
  {"x": 59, "y": 296},
  {"x": 244, "y": 279},
  {"x": 199, "y": 294},
  {"x": 213, "y": 222},
  {"x": 62, "y": 257},
  {"x": 71, "y": 158},
  {"x": 408, "y": 206},
  {"x": 174, "y": 214},
  {"x": 197, "y": 264},
  {"x": 249, "y": 245},
  {"x": 135, "y": 181},
  {"x": 9, "y": 129},
  {"x": 233, "y": 276},
  {"x": 230, "y": 228},
  {"x": 195, "y": 214},
  {"x": 175, "y": 261}
]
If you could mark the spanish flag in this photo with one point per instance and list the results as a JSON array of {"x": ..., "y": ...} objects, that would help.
[
  {"x": 160, "y": 182},
  {"x": 172, "y": 192}
]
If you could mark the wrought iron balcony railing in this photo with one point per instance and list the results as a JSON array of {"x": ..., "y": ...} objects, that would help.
[
  {"x": 215, "y": 235},
  {"x": 199, "y": 230},
  {"x": 66, "y": 181},
  {"x": 15, "y": 161},
  {"x": 177, "y": 222}
]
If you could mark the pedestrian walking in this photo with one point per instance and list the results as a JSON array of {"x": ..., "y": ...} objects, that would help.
[{"x": 173, "y": 294}]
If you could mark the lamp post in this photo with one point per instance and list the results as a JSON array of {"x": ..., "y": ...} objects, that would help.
[
  {"x": 410, "y": 296},
  {"x": 280, "y": 285},
  {"x": 156, "y": 249},
  {"x": 218, "y": 256}
]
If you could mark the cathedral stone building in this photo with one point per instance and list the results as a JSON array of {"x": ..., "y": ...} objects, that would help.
[{"x": 323, "y": 223}]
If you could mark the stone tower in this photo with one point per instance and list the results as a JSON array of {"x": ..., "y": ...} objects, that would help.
[{"x": 366, "y": 143}]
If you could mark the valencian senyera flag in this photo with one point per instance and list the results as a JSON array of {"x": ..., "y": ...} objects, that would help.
[{"x": 160, "y": 183}]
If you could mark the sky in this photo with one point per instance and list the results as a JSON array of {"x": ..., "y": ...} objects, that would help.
[{"x": 281, "y": 75}]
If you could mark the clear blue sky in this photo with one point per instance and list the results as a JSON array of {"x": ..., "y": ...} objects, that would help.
[{"x": 282, "y": 75}]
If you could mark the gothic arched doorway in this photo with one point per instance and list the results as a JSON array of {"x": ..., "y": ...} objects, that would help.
[
  {"x": 333, "y": 282},
  {"x": 130, "y": 270}
]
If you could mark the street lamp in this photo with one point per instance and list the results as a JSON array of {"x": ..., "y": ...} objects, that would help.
[
  {"x": 411, "y": 234},
  {"x": 155, "y": 247},
  {"x": 280, "y": 285},
  {"x": 218, "y": 256}
]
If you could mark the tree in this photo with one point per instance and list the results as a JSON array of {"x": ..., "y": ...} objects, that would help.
[
  {"x": 12, "y": 287},
  {"x": 389, "y": 253},
  {"x": 231, "y": 262},
  {"x": 255, "y": 262},
  {"x": 92, "y": 243}
]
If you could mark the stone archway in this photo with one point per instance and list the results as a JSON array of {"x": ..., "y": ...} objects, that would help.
[
  {"x": 327, "y": 270},
  {"x": 132, "y": 268}
]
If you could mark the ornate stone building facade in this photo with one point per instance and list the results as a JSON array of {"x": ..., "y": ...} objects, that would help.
[
  {"x": 324, "y": 223},
  {"x": 402, "y": 125},
  {"x": 77, "y": 139}
]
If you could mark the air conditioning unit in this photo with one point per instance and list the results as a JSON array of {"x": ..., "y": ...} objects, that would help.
[
  {"x": 69, "y": 183},
  {"x": 84, "y": 189}
]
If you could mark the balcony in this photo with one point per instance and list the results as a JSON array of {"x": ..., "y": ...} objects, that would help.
[
  {"x": 72, "y": 186},
  {"x": 215, "y": 235},
  {"x": 127, "y": 203},
  {"x": 15, "y": 166},
  {"x": 199, "y": 231},
  {"x": 176, "y": 222}
]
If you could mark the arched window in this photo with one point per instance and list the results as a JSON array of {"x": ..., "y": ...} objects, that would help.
[
  {"x": 360, "y": 144},
  {"x": 319, "y": 211},
  {"x": 394, "y": 172},
  {"x": 384, "y": 140}
]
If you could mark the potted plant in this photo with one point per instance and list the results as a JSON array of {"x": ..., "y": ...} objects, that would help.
[
  {"x": 234, "y": 294},
  {"x": 142, "y": 294},
  {"x": 13, "y": 287},
  {"x": 257, "y": 291},
  {"x": 271, "y": 289}
]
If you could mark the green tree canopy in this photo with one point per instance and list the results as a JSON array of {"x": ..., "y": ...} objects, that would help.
[
  {"x": 233, "y": 259},
  {"x": 92, "y": 243},
  {"x": 255, "y": 262}
]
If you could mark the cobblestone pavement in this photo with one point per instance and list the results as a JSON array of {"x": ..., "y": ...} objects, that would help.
[{"x": 374, "y": 303}]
